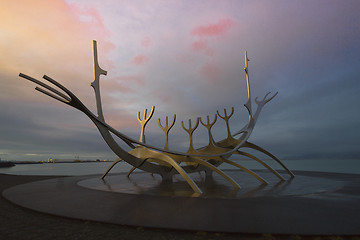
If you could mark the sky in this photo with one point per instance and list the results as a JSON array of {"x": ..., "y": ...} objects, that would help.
[{"x": 186, "y": 58}]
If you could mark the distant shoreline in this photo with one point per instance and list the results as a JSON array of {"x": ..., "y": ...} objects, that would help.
[
  {"x": 13, "y": 163},
  {"x": 6, "y": 164}
]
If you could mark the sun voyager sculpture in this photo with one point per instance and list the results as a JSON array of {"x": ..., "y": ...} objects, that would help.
[{"x": 164, "y": 161}]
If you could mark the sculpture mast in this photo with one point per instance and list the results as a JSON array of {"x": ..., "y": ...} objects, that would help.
[
  {"x": 248, "y": 103},
  {"x": 96, "y": 83}
]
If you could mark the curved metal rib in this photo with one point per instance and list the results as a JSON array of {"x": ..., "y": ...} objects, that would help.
[
  {"x": 130, "y": 172},
  {"x": 260, "y": 149},
  {"x": 111, "y": 166},
  {"x": 179, "y": 169},
  {"x": 263, "y": 181},
  {"x": 61, "y": 95},
  {"x": 217, "y": 170}
]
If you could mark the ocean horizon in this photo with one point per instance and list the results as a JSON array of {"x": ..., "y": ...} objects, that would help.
[{"x": 92, "y": 168}]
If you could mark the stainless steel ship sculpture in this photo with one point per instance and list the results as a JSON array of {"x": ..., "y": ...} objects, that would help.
[{"x": 164, "y": 161}]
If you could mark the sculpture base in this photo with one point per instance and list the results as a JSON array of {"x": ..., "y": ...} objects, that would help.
[{"x": 312, "y": 203}]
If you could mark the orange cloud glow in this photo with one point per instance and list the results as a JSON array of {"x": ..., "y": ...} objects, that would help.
[{"x": 49, "y": 37}]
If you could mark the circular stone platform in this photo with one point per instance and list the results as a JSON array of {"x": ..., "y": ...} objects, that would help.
[{"x": 312, "y": 203}]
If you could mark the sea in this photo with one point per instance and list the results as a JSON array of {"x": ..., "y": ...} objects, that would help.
[{"x": 94, "y": 168}]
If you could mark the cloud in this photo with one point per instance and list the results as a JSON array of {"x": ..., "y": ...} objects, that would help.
[
  {"x": 205, "y": 33},
  {"x": 122, "y": 83},
  {"x": 139, "y": 60},
  {"x": 214, "y": 29},
  {"x": 202, "y": 46},
  {"x": 146, "y": 42},
  {"x": 130, "y": 79},
  {"x": 89, "y": 15},
  {"x": 43, "y": 37},
  {"x": 212, "y": 72}
]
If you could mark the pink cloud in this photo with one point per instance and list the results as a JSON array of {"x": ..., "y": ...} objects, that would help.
[
  {"x": 139, "y": 59},
  {"x": 87, "y": 14},
  {"x": 91, "y": 17},
  {"x": 211, "y": 72},
  {"x": 215, "y": 29},
  {"x": 146, "y": 42},
  {"x": 201, "y": 46}
]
